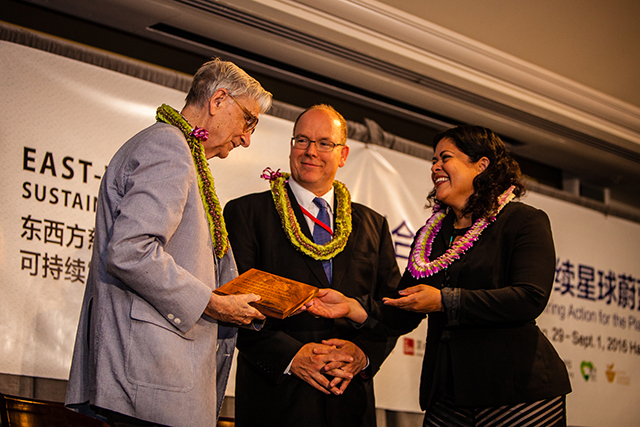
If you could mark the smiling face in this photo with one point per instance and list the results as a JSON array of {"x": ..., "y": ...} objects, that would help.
[
  {"x": 452, "y": 174},
  {"x": 226, "y": 124},
  {"x": 312, "y": 169}
]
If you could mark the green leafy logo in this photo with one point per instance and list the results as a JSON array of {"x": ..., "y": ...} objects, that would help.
[{"x": 586, "y": 368}]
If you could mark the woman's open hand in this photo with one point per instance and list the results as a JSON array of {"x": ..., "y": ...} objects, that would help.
[{"x": 419, "y": 298}]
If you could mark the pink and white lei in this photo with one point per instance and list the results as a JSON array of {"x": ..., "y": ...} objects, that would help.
[{"x": 419, "y": 264}]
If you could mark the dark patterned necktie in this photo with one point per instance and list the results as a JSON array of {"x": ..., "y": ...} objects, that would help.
[{"x": 320, "y": 235}]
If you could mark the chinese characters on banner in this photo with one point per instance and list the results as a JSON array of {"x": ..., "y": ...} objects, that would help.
[{"x": 52, "y": 243}]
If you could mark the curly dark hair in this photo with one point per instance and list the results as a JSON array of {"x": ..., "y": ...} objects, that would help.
[{"x": 503, "y": 171}]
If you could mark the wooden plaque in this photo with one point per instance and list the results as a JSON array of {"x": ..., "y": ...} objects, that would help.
[{"x": 280, "y": 296}]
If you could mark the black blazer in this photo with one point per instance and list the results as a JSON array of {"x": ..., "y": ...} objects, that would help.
[
  {"x": 367, "y": 266},
  {"x": 496, "y": 353}
]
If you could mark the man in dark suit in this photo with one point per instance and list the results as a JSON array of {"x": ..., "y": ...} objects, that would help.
[{"x": 303, "y": 370}]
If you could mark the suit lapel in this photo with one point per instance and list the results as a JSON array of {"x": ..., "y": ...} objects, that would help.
[
  {"x": 314, "y": 266},
  {"x": 341, "y": 261}
]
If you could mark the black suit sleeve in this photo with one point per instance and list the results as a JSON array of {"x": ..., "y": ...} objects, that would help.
[
  {"x": 522, "y": 277},
  {"x": 388, "y": 320},
  {"x": 243, "y": 240},
  {"x": 377, "y": 347}
]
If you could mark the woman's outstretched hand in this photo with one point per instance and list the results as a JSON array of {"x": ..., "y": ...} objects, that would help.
[{"x": 419, "y": 298}]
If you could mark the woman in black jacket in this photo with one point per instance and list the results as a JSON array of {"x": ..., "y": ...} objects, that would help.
[{"x": 482, "y": 268}]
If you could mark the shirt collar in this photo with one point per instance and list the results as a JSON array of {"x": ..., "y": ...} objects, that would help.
[{"x": 305, "y": 197}]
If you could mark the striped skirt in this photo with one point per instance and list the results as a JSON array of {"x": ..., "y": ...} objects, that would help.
[{"x": 543, "y": 413}]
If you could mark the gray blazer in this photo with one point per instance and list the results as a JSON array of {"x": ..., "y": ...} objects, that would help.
[{"x": 144, "y": 347}]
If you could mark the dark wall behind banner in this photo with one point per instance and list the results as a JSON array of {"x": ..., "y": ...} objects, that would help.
[{"x": 71, "y": 28}]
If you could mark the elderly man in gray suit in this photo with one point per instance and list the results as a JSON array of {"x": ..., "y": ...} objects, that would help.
[{"x": 154, "y": 343}]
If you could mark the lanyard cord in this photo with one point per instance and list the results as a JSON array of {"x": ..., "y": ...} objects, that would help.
[{"x": 316, "y": 220}]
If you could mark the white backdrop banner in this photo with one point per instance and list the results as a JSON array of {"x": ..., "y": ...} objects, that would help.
[{"x": 63, "y": 120}]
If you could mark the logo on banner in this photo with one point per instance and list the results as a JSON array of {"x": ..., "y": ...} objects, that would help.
[
  {"x": 587, "y": 370},
  {"x": 409, "y": 347},
  {"x": 403, "y": 236},
  {"x": 413, "y": 347},
  {"x": 611, "y": 374},
  {"x": 621, "y": 376}
]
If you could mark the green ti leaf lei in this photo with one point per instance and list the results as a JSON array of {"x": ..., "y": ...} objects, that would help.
[
  {"x": 212, "y": 207},
  {"x": 291, "y": 227}
]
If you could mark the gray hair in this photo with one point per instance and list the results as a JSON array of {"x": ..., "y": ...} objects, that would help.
[{"x": 217, "y": 74}]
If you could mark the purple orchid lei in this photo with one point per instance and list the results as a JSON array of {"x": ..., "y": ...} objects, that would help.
[{"x": 419, "y": 265}]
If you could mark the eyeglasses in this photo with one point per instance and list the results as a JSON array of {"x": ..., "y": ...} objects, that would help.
[
  {"x": 302, "y": 142},
  {"x": 251, "y": 121}
]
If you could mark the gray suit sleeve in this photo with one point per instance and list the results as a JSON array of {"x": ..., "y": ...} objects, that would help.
[{"x": 154, "y": 186}]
